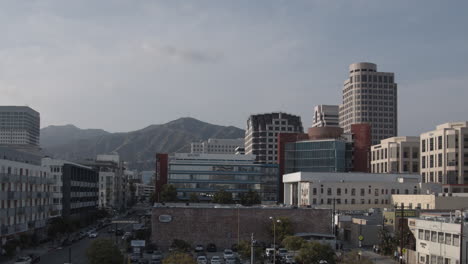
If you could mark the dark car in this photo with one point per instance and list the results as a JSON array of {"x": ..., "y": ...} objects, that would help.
[
  {"x": 35, "y": 258},
  {"x": 211, "y": 247},
  {"x": 234, "y": 247}
]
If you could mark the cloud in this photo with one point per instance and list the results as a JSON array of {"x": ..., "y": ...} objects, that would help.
[{"x": 177, "y": 54}]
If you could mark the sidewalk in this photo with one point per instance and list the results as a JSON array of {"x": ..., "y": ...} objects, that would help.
[{"x": 376, "y": 258}]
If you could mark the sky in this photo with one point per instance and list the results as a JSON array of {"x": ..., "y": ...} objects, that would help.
[{"x": 122, "y": 65}]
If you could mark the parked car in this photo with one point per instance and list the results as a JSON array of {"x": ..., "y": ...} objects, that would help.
[
  {"x": 202, "y": 260},
  {"x": 156, "y": 261},
  {"x": 231, "y": 260},
  {"x": 228, "y": 254},
  {"x": 134, "y": 258},
  {"x": 35, "y": 258},
  {"x": 289, "y": 259},
  {"x": 269, "y": 252},
  {"x": 157, "y": 255},
  {"x": 199, "y": 248},
  {"x": 93, "y": 235},
  {"x": 211, "y": 247},
  {"x": 215, "y": 260},
  {"x": 126, "y": 235},
  {"x": 282, "y": 252},
  {"x": 23, "y": 260}
]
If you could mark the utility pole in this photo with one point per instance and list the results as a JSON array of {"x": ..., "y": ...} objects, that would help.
[
  {"x": 401, "y": 232},
  {"x": 252, "y": 249}
]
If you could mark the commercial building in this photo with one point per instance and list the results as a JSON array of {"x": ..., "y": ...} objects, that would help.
[
  {"x": 439, "y": 238},
  {"x": 370, "y": 97},
  {"x": 143, "y": 191},
  {"x": 75, "y": 188},
  {"x": 326, "y": 116},
  {"x": 224, "y": 225},
  {"x": 432, "y": 201},
  {"x": 350, "y": 191},
  {"x": 113, "y": 183},
  {"x": 261, "y": 135},
  {"x": 217, "y": 146},
  {"x": 19, "y": 125},
  {"x": 205, "y": 174},
  {"x": 25, "y": 195},
  {"x": 444, "y": 154},
  {"x": 396, "y": 155}
]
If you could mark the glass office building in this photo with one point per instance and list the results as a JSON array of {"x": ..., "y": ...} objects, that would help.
[
  {"x": 205, "y": 174},
  {"x": 331, "y": 155}
]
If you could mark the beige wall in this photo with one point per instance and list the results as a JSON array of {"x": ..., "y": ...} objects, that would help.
[{"x": 431, "y": 201}]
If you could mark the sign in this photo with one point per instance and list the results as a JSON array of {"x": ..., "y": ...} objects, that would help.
[
  {"x": 165, "y": 218},
  {"x": 403, "y": 251},
  {"x": 406, "y": 213},
  {"x": 138, "y": 243},
  {"x": 361, "y": 238}
]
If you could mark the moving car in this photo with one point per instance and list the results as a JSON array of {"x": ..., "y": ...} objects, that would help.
[
  {"x": 23, "y": 260},
  {"x": 35, "y": 258},
  {"x": 228, "y": 254},
  {"x": 282, "y": 252},
  {"x": 93, "y": 235},
  {"x": 288, "y": 259},
  {"x": 269, "y": 252}
]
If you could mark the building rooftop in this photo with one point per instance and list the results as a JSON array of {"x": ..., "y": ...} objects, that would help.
[
  {"x": 227, "y": 206},
  {"x": 349, "y": 177}
]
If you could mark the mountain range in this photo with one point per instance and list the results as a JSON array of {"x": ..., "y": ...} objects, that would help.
[{"x": 138, "y": 147}]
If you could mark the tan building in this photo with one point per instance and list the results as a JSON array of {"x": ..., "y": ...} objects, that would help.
[
  {"x": 396, "y": 155},
  {"x": 370, "y": 97},
  {"x": 437, "y": 201},
  {"x": 444, "y": 154}
]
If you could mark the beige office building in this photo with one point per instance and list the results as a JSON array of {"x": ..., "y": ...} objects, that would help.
[
  {"x": 396, "y": 155},
  {"x": 444, "y": 154},
  {"x": 370, "y": 97}
]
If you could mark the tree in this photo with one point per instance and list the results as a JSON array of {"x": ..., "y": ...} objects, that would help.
[
  {"x": 181, "y": 245},
  {"x": 103, "y": 251},
  {"x": 250, "y": 198},
  {"x": 169, "y": 193},
  {"x": 293, "y": 243},
  {"x": 194, "y": 198},
  {"x": 244, "y": 249},
  {"x": 388, "y": 243},
  {"x": 179, "y": 258},
  {"x": 283, "y": 228},
  {"x": 60, "y": 226},
  {"x": 353, "y": 257},
  {"x": 313, "y": 252},
  {"x": 223, "y": 197}
]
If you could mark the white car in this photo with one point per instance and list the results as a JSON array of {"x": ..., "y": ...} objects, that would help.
[
  {"x": 288, "y": 259},
  {"x": 215, "y": 260},
  {"x": 202, "y": 260},
  {"x": 228, "y": 254},
  {"x": 23, "y": 260},
  {"x": 93, "y": 235},
  {"x": 282, "y": 252}
]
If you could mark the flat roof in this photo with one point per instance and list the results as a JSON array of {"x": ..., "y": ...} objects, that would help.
[
  {"x": 347, "y": 177},
  {"x": 230, "y": 206}
]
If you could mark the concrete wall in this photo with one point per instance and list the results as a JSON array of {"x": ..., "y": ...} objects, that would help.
[
  {"x": 431, "y": 201},
  {"x": 220, "y": 225}
]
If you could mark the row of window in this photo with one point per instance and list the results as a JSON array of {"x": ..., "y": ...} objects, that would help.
[
  {"x": 439, "y": 237},
  {"x": 362, "y": 191},
  {"x": 345, "y": 201}
]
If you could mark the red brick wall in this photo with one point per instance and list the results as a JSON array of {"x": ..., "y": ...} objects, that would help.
[
  {"x": 162, "y": 164},
  {"x": 219, "y": 225},
  {"x": 362, "y": 143}
]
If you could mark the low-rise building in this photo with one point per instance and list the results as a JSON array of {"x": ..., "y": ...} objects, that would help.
[
  {"x": 433, "y": 201},
  {"x": 350, "y": 191},
  {"x": 226, "y": 225},
  {"x": 217, "y": 146},
  {"x": 26, "y": 192},
  {"x": 439, "y": 238},
  {"x": 396, "y": 155},
  {"x": 143, "y": 191}
]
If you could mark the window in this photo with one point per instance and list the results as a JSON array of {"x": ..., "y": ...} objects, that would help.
[
  {"x": 431, "y": 144},
  {"x": 439, "y": 160},
  {"x": 353, "y": 192},
  {"x": 456, "y": 240},
  {"x": 314, "y": 191},
  {"x": 376, "y": 192},
  {"x": 329, "y": 191},
  {"x": 441, "y": 237},
  {"x": 434, "y": 236},
  {"x": 448, "y": 239},
  {"x": 423, "y": 145},
  {"x": 338, "y": 191},
  {"x": 427, "y": 235},
  {"x": 423, "y": 163},
  {"x": 363, "y": 192}
]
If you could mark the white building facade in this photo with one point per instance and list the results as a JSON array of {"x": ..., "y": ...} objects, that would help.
[
  {"x": 439, "y": 239},
  {"x": 444, "y": 154},
  {"x": 396, "y": 155},
  {"x": 144, "y": 190},
  {"x": 19, "y": 125},
  {"x": 349, "y": 191},
  {"x": 217, "y": 146},
  {"x": 326, "y": 116},
  {"x": 370, "y": 97}
]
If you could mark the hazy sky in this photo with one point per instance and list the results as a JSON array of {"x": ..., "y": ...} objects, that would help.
[{"x": 122, "y": 65}]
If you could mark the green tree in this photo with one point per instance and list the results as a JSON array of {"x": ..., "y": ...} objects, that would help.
[
  {"x": 103, "y": 251},
  {"x": 388, "y": 243},
  {"x": 179, "y": 258},
  {"x": 223, "y": 197},
  {"x": 169, "y": 193},
  {"x": 283, "y": 228},
  {"x": 250, "y": 198},
  {"x": 244, "y": 249},
  {"x": 60, "y": 226},
  {"x": 181, "y": 245},
  {"x": 313, "y": 252},
  {"x": 293, "y": 242},
  {"x": 353, "y": 257},
  {"x": 194, "y": 198}
]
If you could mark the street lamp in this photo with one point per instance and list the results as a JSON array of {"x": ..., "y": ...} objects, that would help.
[{"x": 274, "y": 236}]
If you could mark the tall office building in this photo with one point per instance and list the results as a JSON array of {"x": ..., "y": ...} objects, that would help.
[
  {"x": 444, "y": 155},
  {"x": 261, "y": 136},
  {"x": 326, "y": 116},
  {"x": 19, "y": 125},
  {"x": 370, "y": 97},
  {"x": 396, "y": 155}
]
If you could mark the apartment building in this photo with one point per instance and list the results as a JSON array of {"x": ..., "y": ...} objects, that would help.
[
  {"x": 326, "y": 116},
  {"x": 26, "y": 193},
  {"x": 75, "y": 188},
  {"x": 370, "y": 97},
  {"x": 261, "y": 135},
  {"x": 444, "y": 154},
  {"x": 217, "y": 146},
  {"x": 439, "y": 238},
  {"x": 19, "y": 125},
  {"x": 350, "y": 191},
  {"x": 143, "y": 191},
  {"x": 396, "y": 155}
]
